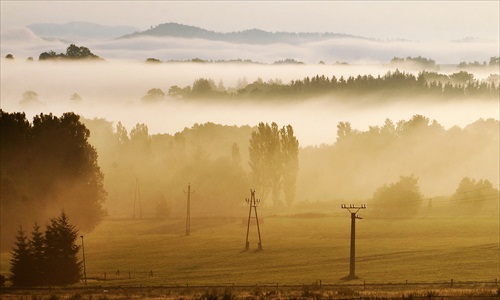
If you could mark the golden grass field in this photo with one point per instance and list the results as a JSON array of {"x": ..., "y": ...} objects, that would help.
[{"x": 298, "y": 249}]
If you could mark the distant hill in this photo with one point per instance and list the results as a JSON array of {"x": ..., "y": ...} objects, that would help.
[
  {"x": 79, "y": 31},
  {"x": 251, "y": 36}
]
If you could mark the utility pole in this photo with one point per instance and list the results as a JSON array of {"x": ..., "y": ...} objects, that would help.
[
  {"x": 252, "y": 202},
  {"x": 353, "y": 209},
  {"x": 137, "y": 198},
  {"x": 188, "y": 210},
  {"x": 84, "y": 267}
]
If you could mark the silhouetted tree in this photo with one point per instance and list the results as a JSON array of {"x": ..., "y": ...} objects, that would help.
[
  {"x": 76, "y": 98},
  {"x": 48, "y": 165},
  {"x": 49, "y": 55},
  {"x": 290, "y": 159},
  {"x": 265, "y": 160},
  {"x": 153, "y": 95},
  {"x": 121, "y": 134},
  {"x": 75, "y": 52},
  {"x": 61, "y": 252},
  {"x": 398, "y": 200},
  {"x": 203, "y": 87},
  {"x": 30, "y": 98},
  {"x": 474, "y": 192},
  {"x": 37, "y": 247},
  {"x": 9, "y": 56},
  {"x": 21, "y": 263},
  {"x": 274, "y": 160},
  {"x": 153, "y": 60}
]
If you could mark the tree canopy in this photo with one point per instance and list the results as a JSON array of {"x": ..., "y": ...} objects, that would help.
[
  {"x": 73, "y": 52},
  {"x": 274, "y": 161},
  {"x": 48, "y": 165},
  {"x": 401, "y": 199}
]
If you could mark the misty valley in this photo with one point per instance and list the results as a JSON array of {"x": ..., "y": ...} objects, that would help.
[{"x": 107, "y": 150}]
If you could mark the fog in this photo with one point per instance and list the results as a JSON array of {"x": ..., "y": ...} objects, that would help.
[
  {"x": 113, "y": 90},
  {"x": 22, "y": 43},
  {"x": 179, "y": 146}
]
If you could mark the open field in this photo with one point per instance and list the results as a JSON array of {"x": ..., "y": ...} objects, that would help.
[{"x": 298, "y": 249}]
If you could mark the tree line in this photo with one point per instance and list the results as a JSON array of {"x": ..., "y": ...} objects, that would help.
[
  {"x": 219, "y": 163},
  {"x": 392, "y": 84},
  {"x": 216, "y": 160},
  {"x": 432, "y": 161}
]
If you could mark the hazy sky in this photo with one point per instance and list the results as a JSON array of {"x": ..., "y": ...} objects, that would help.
[{"x": 414, "y": 20}]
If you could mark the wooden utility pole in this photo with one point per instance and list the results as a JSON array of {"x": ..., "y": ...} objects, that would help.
[
  {"x": 188, "y": 210},
  {"x": 137, "y": 198},
  {"x": 353, "y": 209},
  {"x": 84, "y": 267},
  {"x": 252, "y": 202}
]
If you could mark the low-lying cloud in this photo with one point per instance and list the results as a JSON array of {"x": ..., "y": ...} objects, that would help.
[{"x": 23, "y": 43}]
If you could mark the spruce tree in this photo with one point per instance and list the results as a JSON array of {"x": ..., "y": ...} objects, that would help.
[
  {"x": 37, "y": 251},
  {"x": 21, "y": 261},
  {"x": 61, "y": 252}
]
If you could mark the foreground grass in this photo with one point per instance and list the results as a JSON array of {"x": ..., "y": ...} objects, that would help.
[
  {"x": 297, "y": 250},
  {"x": 313, "y": 291}
]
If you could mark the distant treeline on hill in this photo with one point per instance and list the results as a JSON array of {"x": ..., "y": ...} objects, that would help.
[{"x": 397, "y": 83}]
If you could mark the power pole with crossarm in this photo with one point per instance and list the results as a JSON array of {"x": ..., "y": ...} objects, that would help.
[{"x": 353, "y": 209}]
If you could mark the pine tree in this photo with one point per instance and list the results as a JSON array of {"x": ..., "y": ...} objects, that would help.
[
  {"x": 21, "y": 261},
  {"x": 62, "y": 265},
  {"x": 37, "y": 251}
]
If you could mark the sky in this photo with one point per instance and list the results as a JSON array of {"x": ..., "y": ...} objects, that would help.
[{"x": 411, "y": 20}]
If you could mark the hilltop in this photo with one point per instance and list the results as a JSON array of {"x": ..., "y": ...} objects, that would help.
[{"x": 250, "y": 36}]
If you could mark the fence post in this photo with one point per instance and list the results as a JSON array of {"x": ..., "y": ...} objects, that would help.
[
  {"x": 452, "y": 282},
  {"x": 104, "y": 275}
]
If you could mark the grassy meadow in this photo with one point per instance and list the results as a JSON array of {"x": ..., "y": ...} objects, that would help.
[{"x": 297, "y": 249}]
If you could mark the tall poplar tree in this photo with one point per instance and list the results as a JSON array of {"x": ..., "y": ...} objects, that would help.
[
  {"x": 290, "y": 159},
  {"x": 274, "y": 161}
]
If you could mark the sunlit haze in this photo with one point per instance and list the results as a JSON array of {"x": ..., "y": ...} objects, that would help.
[{"x": 139, "y": 140}]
